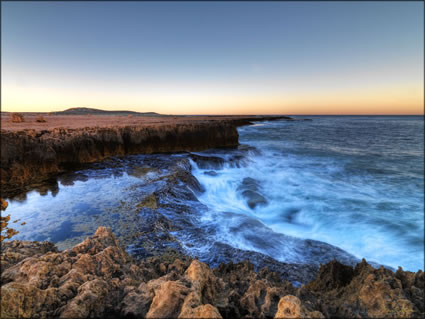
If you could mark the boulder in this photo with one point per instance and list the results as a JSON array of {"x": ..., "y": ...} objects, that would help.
[{"x": 250, "y": 189}]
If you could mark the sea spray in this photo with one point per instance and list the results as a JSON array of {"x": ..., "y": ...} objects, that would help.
[{"x": 353, "y": 182}]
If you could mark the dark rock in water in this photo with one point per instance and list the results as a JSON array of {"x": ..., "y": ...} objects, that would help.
[
  {"x": 250, "y": 190},
  {"x": 247, "y": 149},
  {"x": 254, "y": 199},
  {"x": 70, "y": 178},
  {"x": 208, "y": 162},
  {"x": 98, "y": 279},
  {"x": 290, "y": 214},
  {"x": 224, "y": 253},
  {"x": 217, "y": 158},
  {"x": 249, "y": 183},
  {"x": 180, "y": 172},
  {"x": 211, "y": 173},
  {"x": 237, "y": 161}
]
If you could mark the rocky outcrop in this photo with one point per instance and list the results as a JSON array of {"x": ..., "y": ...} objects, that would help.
[
  {"x": 30, "y": 156},
  {"x": 97, "y": 278},
  {"x": 366, "y": 292}
]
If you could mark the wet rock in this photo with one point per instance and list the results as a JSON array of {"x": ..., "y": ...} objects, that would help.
[
  {"x": 290, "y": 214},
  {"x": 142, "y": 171},
  {"x": 149, "y": 202},
  {"x": 208, "y": 162},
  {"x": 69, "y": 179},
  {"x": 211, "y": 173},
  {"x": 250, "y": 190},
  {"x": 254, "y": 199},
  {"x": 248, "y": 149},
  {"x": 180, "y": 175},
  {"x": 249, "y": 183}
]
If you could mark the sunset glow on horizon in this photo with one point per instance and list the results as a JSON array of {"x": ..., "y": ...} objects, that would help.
[{"x": 335, "y": 58}]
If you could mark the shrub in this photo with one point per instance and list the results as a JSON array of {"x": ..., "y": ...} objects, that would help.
[
  {"x": 17, "y": 118},
  {"x": 40, "y": 119}
]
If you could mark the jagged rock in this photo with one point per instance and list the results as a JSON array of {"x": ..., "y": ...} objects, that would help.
[
  {"x": 291, "y": 307},
  {"x": 200, "y": 312},
  {"x": 203, "y": 281},
  {"x": 169, "y": 297},
  {"x": 17, "y": 250},
  {"x": 97, "y": 278},
  {"x": 80, "y": 282},
  {"x": 366, "y": 292}
]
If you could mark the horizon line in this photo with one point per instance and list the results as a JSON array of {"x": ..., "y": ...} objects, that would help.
[{"x": 218, "y": 114}]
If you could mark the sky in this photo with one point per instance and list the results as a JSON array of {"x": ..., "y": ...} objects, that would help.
[{"x": 214, "y": 57}]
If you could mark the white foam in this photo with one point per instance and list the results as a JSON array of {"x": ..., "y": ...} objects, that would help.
[{"x": 327, "y": 204}]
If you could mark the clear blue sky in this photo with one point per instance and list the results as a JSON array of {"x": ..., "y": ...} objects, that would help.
[{"x": 213, "y": 57}]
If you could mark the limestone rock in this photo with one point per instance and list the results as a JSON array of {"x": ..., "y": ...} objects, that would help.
[
  {"x": 203, "y": 280},
  {"x": 291, "y": 307},
  {"x": 169, "y": 297},
  {"x": 97, "y": 278},
  {"x": 30, "y": 156}
]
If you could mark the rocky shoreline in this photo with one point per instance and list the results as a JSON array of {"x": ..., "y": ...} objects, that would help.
[
  {"x": 98, "y": 279},
  {"x": 154, "y": 276},
  {"x": 32, "y": 155}
]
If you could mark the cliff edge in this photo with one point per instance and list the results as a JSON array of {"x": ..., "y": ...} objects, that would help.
[{"x": 30, "y": 155}]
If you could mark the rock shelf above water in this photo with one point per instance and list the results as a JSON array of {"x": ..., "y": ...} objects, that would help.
[{"x": 32, "y": 152}]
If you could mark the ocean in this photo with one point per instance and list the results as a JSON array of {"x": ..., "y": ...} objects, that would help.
[{"x": 354, "y": 182}]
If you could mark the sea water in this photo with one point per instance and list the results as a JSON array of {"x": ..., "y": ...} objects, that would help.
[{"x": 354, "y": 182}]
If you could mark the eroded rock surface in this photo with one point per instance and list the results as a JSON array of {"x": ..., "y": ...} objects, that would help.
[
  {"x": 30, "y": 156},
  {"x": 97, "y": 278},
  {"x": 33, "y": 153}
]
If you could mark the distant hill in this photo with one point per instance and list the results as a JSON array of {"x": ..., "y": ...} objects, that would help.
[{"x": 87, "y": 110}]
